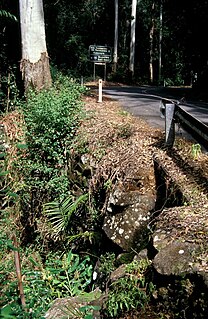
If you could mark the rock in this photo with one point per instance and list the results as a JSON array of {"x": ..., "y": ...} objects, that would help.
[
  {"x": 143, "y": 254},
  {"x": 118, "y": 273},
  {"x": 128, "y": 216},
  {"x": 175, "y": 258},
  {"x": 66, "y": 308},
  {"x": 181, "y": 239}
]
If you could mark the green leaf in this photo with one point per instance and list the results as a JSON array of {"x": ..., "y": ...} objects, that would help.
[
  {"x": 4, "y": 173},
  {"x": 11, "y": 246},
  {"x": 34, "y": 262},
  {"x": 2, "y": 155},
  {"x": 12, "y": 194},
  {"x": 22, "y": 146},
  {"x": 6, "y": 312},
  {"x": 4, "y": 13}
]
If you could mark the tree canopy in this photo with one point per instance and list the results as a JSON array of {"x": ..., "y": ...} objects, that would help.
[{"x": 71, "y": 26}]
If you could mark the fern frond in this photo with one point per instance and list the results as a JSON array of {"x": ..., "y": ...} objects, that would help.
[
  {"x": 6, "y": 14},
  {"x": 60, "y": 214}
]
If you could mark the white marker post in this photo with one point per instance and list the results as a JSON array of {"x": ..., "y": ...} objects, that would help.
[{"x": 100, "y": 91}]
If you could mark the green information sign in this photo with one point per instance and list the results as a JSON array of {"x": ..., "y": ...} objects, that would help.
[{"x": 100, "y": 53}]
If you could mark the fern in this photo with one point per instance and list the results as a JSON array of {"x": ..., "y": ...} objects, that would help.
[
  {"x": 6, "y": 14},
  {"x": 60, "y": 214}
]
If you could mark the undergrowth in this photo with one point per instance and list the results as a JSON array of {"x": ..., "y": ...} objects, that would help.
[{"x": 35, "y": 171}]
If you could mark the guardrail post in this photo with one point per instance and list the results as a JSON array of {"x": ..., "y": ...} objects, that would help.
[{"x": 169, "y": 124}]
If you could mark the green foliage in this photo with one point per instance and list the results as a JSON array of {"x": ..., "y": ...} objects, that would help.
[
  {"x": 8, "y": 15},
  {"x": 131, "y": 291},
  {"x": 124, "y": 130},
  {"x": 9, "y": 94},
  {"x": 51, "y": 118},
  {"x": 71, "y": 220},
  {"x": 196, "y": 150},
  {"x": 106, "y": 265},
  {"x": 60, "y": 214},
  {"x": 57, "y": 277},
  {"x": 6, "y": 312}
]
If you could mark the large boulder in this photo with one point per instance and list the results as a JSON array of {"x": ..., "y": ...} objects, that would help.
[
  {"x": 181, "y": 239},
  {"x": 128, "y": 215}
]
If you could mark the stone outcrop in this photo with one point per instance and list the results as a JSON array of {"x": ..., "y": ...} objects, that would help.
[
  {"x": 181, "y": 239},
  {"x": 181, "y": 233},
  {"x": 128, "y": 217},
  {"x": 66, "y": 308}
]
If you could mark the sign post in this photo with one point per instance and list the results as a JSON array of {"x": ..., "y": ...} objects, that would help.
[
  {"x": 100, "y": 55},
  {"x": 100, "y": 91}
]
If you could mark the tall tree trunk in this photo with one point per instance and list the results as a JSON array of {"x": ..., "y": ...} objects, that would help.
[
  {"x": 35, "y": 61},
  {"x": 152, "y": 45},
  {"x": 132, "y": 41},
  {"x": 115, "y": 56},
  {"x": 160, "y": 42}
]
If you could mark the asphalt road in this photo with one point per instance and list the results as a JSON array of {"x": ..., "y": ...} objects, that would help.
[{"x": 144, "y": 102}]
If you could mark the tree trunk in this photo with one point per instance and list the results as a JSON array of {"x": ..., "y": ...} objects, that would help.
[
  {"x": 151, "y": 45},
  {"x": 132, "y": 41},
  {"x": 35, "y": 61},
  {"x": 115, "y": 56},
  {"x": 160, "y": 42}
]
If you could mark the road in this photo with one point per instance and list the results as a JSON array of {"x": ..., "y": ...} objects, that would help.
[{"x": 144, "y": 102}]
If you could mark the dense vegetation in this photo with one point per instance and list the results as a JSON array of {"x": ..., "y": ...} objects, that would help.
[
  {"x": 72, "y": 26},
  {"x": 35, "y": 171},
  {"x": 49, "y": 219},
  {"x": 44, "y": 193}
]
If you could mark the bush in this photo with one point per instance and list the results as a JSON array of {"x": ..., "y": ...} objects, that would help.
[
  {"x": 58, "y": 277},
  {"x": 131, "y": 291},
  {"x": 51, "y": 118}
]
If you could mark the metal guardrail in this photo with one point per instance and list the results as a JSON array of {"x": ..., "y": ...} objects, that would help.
[{"x": 173, "y": 113}]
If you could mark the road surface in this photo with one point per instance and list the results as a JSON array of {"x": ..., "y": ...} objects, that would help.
[{"x": 144, "y": 102}]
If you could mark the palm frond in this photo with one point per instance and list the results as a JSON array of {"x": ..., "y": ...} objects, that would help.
[{"x": 60, "y": 214}]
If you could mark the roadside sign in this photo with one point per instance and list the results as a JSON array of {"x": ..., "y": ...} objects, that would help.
[{"x": 100, "y": 53}]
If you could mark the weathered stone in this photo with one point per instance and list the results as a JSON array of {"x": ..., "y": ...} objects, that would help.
[
  {"x": 118, "y": 273},
  {"x": 66, "y": 308},
  {"x": 141, "y": 255},
  {"x": 181, "y": 239},
  {"x": 175, "y": 258},
  {"x": 129, "y": 214}
]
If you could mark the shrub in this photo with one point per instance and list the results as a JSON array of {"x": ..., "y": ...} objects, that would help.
[
  {"x": 59, "y": 277},
  {"x": 51, "y": 120},
  {"x": 131, "y": 291}
]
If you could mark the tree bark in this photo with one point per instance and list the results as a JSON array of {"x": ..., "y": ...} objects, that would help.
[
  {"x": 160, "y": 43},
  {"x": 35, "y": 61},
  {"x": 132, "y": 41},
  {"x": 151, "y": 45},
  {"x": 115, "y": 56}
]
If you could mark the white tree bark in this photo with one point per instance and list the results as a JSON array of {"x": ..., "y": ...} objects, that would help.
[
  {"x": 132, "y": 41},
  {"x": 115, "y": 56},
  {"x": 160, "y": 42},
  {"x": 151, "y": 35},
  {"x": 35, "y": 63}
]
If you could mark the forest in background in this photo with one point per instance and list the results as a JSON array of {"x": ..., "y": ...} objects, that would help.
[
  {"x": 51, "y": 215},
  {"x": 72, "y": 26}
]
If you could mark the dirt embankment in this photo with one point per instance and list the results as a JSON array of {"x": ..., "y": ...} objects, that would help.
[{"x": 121, "y": 144}]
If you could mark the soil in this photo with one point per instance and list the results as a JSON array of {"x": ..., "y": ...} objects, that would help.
[{"x": 120, "y": 144}]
